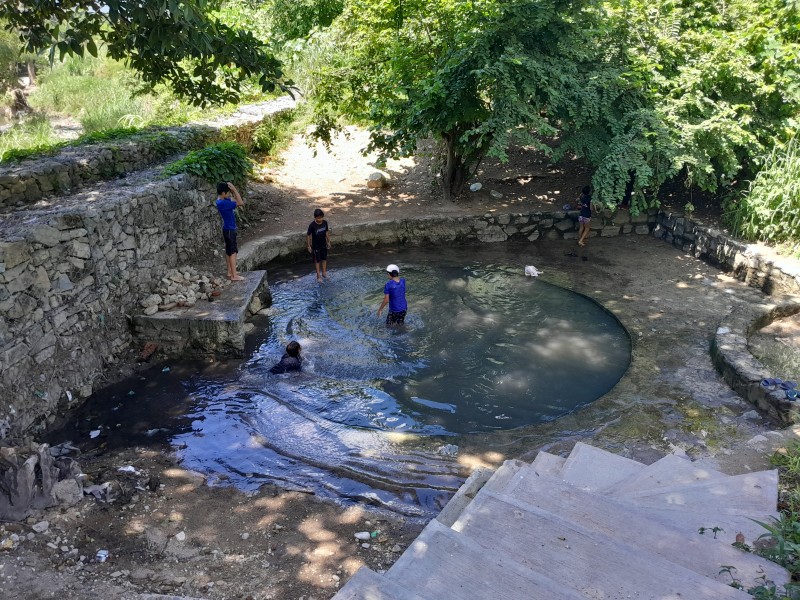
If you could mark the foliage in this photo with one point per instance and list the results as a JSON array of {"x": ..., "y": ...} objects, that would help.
[
  {"x": 769, "y": 210},
  {"x": 177, "y": 42},
  {"x": 476, "y": 75},
  {"x": 271, "y": 132},
  {"x": 644, "y": 90},
  {"x": 26, "y": 138},
  {"x": 721, "y": 80},
  {"x": 44, "y": 143},
  {"x": 226, "y": 161}
]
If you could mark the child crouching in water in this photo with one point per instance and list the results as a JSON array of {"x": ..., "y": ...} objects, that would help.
[{"x": 291, "y": 360}]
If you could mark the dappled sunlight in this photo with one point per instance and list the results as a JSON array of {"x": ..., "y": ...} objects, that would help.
[{"x": 485, "y": 460}]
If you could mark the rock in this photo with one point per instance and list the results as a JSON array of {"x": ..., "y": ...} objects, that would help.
[
  {"x": 68, "y": 492},
  {"x": 365, "y": 545},
  {"x": 150, "y": 310},
  {"x": 448, "y": 450},
  {"x": 41, "y": 526},
  {"x": 751, "y": 414},
  {"x": 495, "y": 194},
  {"x": 758, "y": 439},
  {"x": 245, "y": 536},
  {"x": 475, "y": 187},
  {"x": 362, "y": 535},
  {"x": 180, "y": 536},
  {"x": 377, "y": 180}
]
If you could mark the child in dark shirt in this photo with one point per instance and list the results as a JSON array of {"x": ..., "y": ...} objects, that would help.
[
  {"x": 585, "y": 218},
  {"x": 291, "y": 361},
  {"x": 318, "y": 238}
]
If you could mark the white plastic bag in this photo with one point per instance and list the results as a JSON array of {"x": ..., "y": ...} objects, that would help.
[{"x": 531, "y": 271}]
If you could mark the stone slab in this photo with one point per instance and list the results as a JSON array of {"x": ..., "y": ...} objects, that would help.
[
  {"x": 445, "y": 565},
  {"x": 592, "y": 468},
  {"x": 573, "y": 555},
  {"x": 548, "y": 464},
  {"x": 207, "y": 328},
  {"x": 668, "y": 471},
  {"x": 749, "y": 493},
  {"x": 464, "y": 496},
  {"x": 369, "y": 585},
  {"x": 634, "y": 526},
  {"x": 690, "y": 522}
]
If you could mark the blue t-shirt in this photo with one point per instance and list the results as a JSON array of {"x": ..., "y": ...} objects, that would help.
[
  {"x": 397, "y": 295},
  {"x": 226, "y": 206}
]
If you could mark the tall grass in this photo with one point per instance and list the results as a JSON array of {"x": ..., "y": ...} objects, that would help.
[
  {"x": 769, "y": 210},
  {"x": 31, "y": 134}
]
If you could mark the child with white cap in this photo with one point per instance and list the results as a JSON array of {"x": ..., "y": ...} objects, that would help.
[{"x": 394, "y": 294}]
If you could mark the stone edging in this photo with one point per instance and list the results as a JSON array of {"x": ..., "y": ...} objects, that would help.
[
  {"x": 740, "y": 369},
  {"x": 74, "y": 167},
  {"x": 757, "y": 266}
]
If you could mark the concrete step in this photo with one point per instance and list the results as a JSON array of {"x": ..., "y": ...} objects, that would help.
[
  {"x": 635, "y": 527},
  {"x": 444, "y": 565},
  {"x": 548, "y": 464},
  {"x": 579, "y": 557},
  {"x": 749, "y": 493},
  {"x": 594, "y": 469},
  {"x": 527, "y": 485},
  {"x": 464, "y": 496},
  {"x": 668, "y": 471},
  {"x": 368, "y": 585}
]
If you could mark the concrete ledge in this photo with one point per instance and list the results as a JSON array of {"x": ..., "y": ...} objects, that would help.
[
  {"x": 207, "y": 328},
  {"x": 741, "y": 370}
]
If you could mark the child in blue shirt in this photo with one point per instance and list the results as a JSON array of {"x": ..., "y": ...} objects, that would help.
[
  {"x": 226, "y": 207},
  {"x": 394, "y": 294}
]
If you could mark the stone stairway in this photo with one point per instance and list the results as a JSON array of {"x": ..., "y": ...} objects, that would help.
[{"x": 592, "y": 526}]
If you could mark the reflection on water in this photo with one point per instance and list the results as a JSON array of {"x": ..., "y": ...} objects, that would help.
[{"x": 484, "y": 348}]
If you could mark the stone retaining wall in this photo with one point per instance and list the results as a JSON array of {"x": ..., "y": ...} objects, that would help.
[
  {"x": 741, "y": 370},
  {"x": 754, "y": 264},
  {"x": 71, "y": 278},
  {"x": 72, "y": 272},
  {"x": 73, "y": 168},
  {"x": 488, "y": 228}
]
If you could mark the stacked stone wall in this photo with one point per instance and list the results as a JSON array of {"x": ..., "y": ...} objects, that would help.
[
  {"x": 754, "y": 264},
  {"x": 74, "y": 268},
  {"x": 74, "y": 168},
  {"x": 70, "y": 281}
]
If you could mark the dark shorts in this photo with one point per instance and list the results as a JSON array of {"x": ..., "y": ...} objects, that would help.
[
  {"x": 396, "y": 318},
  {"x": 319, "y": 254},
  {"x": 229, "y": 235}
]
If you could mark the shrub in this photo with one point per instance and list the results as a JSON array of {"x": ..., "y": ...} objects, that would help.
[
  {"x": 769, "y": 210},
  {"x": 226, "y": 161}
]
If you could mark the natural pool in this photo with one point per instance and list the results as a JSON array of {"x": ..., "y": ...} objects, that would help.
[{"x": 484, "y": 348}]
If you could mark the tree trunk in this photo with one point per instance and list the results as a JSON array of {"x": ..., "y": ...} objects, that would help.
[
  {"x": 31, "y": 72},
  {"x": 454, "y": 171}
]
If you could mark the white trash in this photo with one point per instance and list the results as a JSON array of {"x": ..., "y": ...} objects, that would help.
[{"x": 531, "y": 271}]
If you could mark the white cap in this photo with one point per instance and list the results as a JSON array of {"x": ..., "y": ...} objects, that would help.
[{"x": 391, "y": 268}]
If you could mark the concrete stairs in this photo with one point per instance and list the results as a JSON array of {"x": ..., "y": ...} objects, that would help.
[{"x": 592, "y": 526}]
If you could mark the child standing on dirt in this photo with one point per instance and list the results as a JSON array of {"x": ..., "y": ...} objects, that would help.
[
  {"x": 394, "y": 294},
  {"x": 585, "y": 218},
  {"x": 318, "y": 237},
  {"x": 227, "y": 205}
]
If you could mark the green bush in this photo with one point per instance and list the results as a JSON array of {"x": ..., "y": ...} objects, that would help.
[
  {"x": 226, "y": 161},
  {"x": 272, "y": 132},
  {"x": 769, "y": 210}
]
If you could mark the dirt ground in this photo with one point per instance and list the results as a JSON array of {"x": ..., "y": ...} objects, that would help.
[{"x": 167, "y": 532}]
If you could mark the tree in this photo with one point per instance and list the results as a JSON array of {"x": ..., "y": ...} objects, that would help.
[
  {"x": 645, "y": 91},
  {"x": 171, "y": 41},
  {"x": 474, "y": 74}
]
